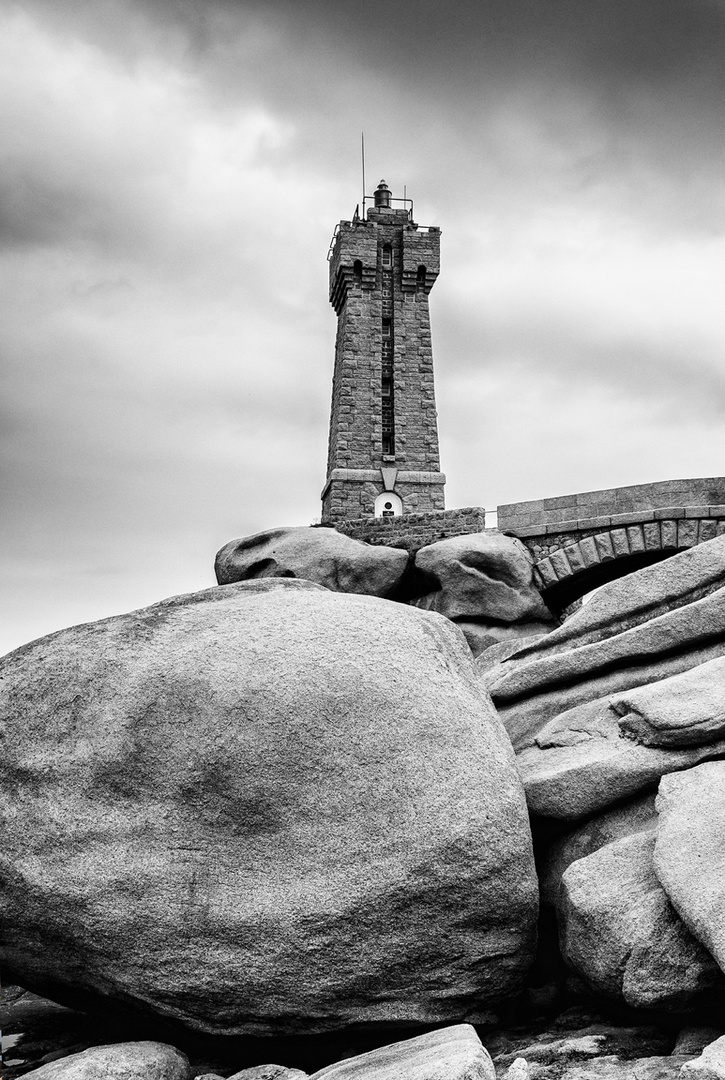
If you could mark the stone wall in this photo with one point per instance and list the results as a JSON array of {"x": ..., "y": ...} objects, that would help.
[
  {"x": 355, "y": 422},
  {"x": 413, "y": 531},
  {"x": 352, "y": 493},
  {"x": 593, "y": 510},
  {"x": 669, "y": 530},
  {"x": 580, "y": 541}
]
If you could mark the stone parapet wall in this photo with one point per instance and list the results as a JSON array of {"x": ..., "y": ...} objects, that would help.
[
  {"x": 614, "y": 506},
  {"x": 413, "y": 531}
]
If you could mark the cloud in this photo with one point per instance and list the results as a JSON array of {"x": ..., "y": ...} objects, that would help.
[
  {"x": 159, "y": 332},
  {"x": 170, "y": 177}
]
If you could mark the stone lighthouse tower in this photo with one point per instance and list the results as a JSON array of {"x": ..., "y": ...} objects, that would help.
[{"x": 383, "y": 451}]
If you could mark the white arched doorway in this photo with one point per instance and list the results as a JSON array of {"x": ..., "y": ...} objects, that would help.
[{"x": 388, "y": 504}]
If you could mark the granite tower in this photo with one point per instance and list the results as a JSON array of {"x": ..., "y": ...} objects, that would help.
[{"x": 383, "y": 455}]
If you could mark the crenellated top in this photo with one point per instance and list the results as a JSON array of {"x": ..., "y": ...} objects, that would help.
[
  {"x": 421, "y": 259},
  {"x": 354, "y": 255}
]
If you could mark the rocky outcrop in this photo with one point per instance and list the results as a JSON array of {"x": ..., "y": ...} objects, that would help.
[
  {"x": 636, "y": 598},
  {"x": 263, "y": 808},
  {"x": 484, "y": 582},
  {"x": 322, "y": 555},
  {"x": 574, "y": 1038},
  {"x": 619, "y": 932},
  {"x": 579, "y": 763},
  {"x": 530, "y": 692},
  {"x": 628, "y": 819},
  {"x": 685, "y": 710},
  {"x": 122, "y": 1061},
  {"x": 617, "y": 927},
  {"x": 455, "y": 1053},
  {"x": 653, "y": 624},
  {"x": 689, "y": 855}
]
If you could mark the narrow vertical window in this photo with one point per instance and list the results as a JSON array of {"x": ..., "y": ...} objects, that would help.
[{"x": 387, "y": 331}]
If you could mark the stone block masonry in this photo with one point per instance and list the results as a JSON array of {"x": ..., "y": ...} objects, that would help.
[
  {"x": 581, "y": 541},
  {"x": 413, "y": 531},
  {"x": 383, "y": 426},
  {"x": 600, "y": 509}
]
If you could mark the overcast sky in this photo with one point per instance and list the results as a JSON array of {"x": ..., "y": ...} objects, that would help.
[{"x": 171, "y": 176}]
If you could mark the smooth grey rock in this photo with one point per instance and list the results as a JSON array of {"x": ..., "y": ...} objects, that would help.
[
  {"x": 486, "y": 586},
  {"x": 618, "y": 930},
  {"x": 322, "y": 555},
  {"x": 263, "y": 808},
  {"x": 482, "y": 636},
  {"x": 628, "y": 819},
  {"x": 710, "y": 1065},
  {"x": 684, "y": 710},
  {"x": 616, "y": 925},
  {"x": 119, "y": 1061},
  {"x": 593, "y": 657},
  {"x": 530, "y": 692},
  {"x": 492, "y": 656},
  {"x": 453, "y": 1053},
  {"x": 579, "y": 764},
  {"x": 689, "y": 855}
]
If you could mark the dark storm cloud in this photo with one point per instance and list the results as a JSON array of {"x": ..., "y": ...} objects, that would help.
[
  {"x": 620, "y": 93},
  {"x": 625, "y": 94},
  {"x": 612, "y": 40},
  {"x": 616, "y": 47},
  {"x": 171, "y": 174},
  {"x": 668, "y": 53}
]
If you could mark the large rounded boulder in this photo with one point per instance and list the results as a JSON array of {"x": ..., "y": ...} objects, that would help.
[
  {"x": 313, "y": 553},
  {"x": 263, "y": 808},
  {"x": 485, "y": 583}
]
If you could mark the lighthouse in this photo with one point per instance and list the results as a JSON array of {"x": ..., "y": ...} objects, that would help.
[{"x": 383, "y": 457}]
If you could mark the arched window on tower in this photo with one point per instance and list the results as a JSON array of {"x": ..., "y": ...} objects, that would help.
[
  {"x": 357, "y": 271},
  {"x": 387, "y": 257},
  {"x": 420, "y": 278}
]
